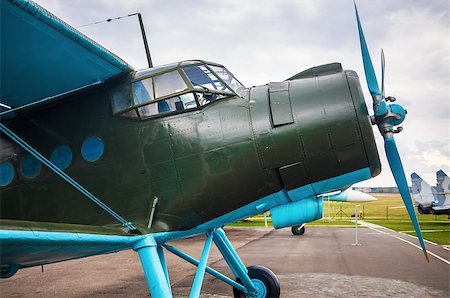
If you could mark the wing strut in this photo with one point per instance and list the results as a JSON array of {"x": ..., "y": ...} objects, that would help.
[{"x": 128, "y": 225}]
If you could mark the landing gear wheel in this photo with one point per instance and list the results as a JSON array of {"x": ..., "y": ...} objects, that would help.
[
  {"x": 298, "y": 230},
  {"x": 264, "y": 280},
  {"x": 423, "y": 210},
  {"x": 419, "y": 208}
]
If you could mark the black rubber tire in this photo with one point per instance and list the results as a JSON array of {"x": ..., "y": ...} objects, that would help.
[
  {"x": 296, "y": 230},
  {"x": 423, "y": 210},
  {"x": 420, "y": 209},
  {"x": 266, "y": 276}
]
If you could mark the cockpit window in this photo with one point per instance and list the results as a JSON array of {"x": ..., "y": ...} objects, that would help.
[
  {"x": 173, "y": 104},
  {"x": 169, "y": 83},
  {"x": 228, "y": 78},
  {"x": 174, "y": 88},
  {"x": 203, "y": 79},
  {"x": 143, "y": 91}
]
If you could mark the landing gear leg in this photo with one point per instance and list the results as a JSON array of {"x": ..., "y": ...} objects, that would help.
[
  {"x": 259, "y": 281},
  {"x": 254, "y": 281},
  {"x": 154, "y": 267}
]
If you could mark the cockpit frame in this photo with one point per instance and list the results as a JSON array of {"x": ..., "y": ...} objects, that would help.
[{"x": 128, "y": 105}]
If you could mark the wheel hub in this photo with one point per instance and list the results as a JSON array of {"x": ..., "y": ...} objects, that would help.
[{"x": 261, "y": 290}]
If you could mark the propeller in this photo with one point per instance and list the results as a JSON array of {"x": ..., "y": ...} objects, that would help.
[{"x": 386, "y": 117}]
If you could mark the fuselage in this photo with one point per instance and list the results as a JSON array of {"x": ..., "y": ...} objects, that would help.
[{"x": 197, "y": 164}]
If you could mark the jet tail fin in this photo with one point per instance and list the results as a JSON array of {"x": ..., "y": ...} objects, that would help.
[
  {"x": 421, "y": 190},
  {"x": 442, "y": 188},
  {"x": 443, "y": 182}
]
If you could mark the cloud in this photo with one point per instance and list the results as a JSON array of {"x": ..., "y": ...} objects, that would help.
[{"x": 435, "y": 158}]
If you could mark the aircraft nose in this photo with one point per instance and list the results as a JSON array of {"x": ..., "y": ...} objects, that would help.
[
  {"x": 358, "y": 196},
  {"x": 313, "y": 129}
]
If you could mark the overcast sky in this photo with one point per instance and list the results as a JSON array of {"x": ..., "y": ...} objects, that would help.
[{"x": 264, "y": 41}]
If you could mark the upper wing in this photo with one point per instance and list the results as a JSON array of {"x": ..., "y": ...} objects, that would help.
[{"x": 43, "y": 57}]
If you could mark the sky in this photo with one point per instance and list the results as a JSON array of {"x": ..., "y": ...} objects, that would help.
[{"x": 263, "y": 41}]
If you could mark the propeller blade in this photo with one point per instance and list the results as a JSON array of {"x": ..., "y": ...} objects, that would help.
[
  {"x": 382, "y": 72},
  {"x": 368, "y": 66},
  {"x": 399, "y": 175}
]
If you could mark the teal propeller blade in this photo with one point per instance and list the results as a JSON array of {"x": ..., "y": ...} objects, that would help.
[
  {"x": 399, "y": 175},
  {"x": 386, "y": 117},
  {"x": 368, "y": 66}
]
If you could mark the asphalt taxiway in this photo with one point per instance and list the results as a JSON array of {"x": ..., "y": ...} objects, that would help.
[{"x": 321, "y": 263}]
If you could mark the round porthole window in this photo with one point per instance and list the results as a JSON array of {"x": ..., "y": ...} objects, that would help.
[
  {"x": 92, "y": 149},
  {"x": 6, "y": 173},
  {"x": 61, "y": 157},
  {"x": 31, "y": 167}
]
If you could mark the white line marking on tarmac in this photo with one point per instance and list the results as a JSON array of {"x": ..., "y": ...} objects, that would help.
[
  {"x": 446, "y": 247},
  {"x": 427, "y": 241},
  {"x": 366, "y": 224},
  {"x": 406, "y": 241},
  {"x": 426, "y": 231}
]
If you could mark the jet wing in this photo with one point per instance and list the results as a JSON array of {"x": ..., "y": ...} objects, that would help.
[{"x": 43, "y": 57}]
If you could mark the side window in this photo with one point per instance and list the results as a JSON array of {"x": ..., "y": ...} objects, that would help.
[
  {"x": 92, "y": 148},
  {"x": 30, "y": 166},
  {"x": 207, "y": 97},
  {"x": 173, "y": 104},
  {"x": 6, "y": 173},
  {"x": 143, "y": 91},
  {"x": 169, "y": 83},
  {"x": 61, "y": 156}
]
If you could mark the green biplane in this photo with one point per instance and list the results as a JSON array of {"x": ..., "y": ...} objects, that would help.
[{"x": 97, "y": 157}]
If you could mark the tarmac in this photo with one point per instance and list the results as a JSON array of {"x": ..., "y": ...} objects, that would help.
[{"x": 324, "y": 262}]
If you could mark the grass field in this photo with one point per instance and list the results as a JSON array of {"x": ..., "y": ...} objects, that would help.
[{"x": 388, "y": 211}]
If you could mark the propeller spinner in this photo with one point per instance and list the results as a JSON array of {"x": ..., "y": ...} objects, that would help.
[{"x": 386, "y": 118}]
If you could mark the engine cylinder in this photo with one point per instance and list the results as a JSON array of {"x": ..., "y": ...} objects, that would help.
[{"x": 297, "y": 213}]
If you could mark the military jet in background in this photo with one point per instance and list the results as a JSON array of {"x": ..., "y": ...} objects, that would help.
[
  {"x": 432, "y": 199},
  {"x": 103, "y": 158}
]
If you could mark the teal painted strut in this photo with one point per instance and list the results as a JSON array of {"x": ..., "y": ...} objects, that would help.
[
  {"x": 235, "y": 261},
  {"x": 198, "y": 279},
  {"x": 65, "y": 177},
  {"x": 153, "y": 267},
  {"x": 211, "y": 271}
]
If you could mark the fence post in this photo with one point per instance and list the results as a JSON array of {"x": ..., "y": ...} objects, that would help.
[{"x": 387, "y": 212}]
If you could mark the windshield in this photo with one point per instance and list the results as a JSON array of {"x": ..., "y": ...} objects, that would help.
[
  {"x": 212, "y": 78},
  {"x": 227, "y": 78}
]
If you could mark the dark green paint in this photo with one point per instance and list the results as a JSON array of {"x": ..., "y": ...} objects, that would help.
[{"x": 200, "y": 164}]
